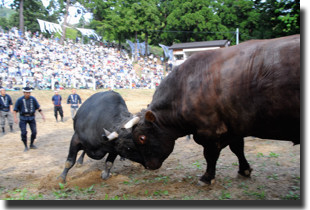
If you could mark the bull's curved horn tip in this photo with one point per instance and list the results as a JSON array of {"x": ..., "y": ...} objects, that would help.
[
  {"x": 106, "y": 132},
  {"x": 132, "y": 122}
]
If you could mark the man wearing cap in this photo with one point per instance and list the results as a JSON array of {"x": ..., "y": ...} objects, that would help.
[
  {"x": 74, "y": 99},
  {"x": 6, "y": 109},
  {"x": 57, "y": 106},
  {"x": 26, "y": 106}
]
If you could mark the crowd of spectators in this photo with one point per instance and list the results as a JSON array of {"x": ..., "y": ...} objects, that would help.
[{"x": 42, "y": 63}]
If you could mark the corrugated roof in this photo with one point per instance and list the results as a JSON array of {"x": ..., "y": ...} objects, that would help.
[{"x": 214, "y": 43}]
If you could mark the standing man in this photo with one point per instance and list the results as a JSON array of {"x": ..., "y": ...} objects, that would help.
[
  {"x": 6, "y": 110},
  {"x": 26, "y": 106},
  {"x": 57, "y": 106},
  {"x": 74, "y": 99}
]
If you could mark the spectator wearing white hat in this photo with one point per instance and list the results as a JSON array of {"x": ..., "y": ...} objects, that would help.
[{"x": 26, "y": 106}]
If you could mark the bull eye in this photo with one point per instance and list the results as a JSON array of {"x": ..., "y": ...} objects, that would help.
[{"x": 142, "y": 139}]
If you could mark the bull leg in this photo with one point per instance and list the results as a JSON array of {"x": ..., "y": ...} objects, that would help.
[
  {"x": 108, "y": 165},
  {"x": 79, "y": 162},
  {"x": 237, "y": 147},
  {"x": 211, "y": 153},
  {"x": 74, "y": 148}
]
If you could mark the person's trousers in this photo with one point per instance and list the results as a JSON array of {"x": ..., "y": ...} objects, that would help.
[
  {"x": 7, "y": 115},
  {"x": 23, "y": 129},
  {"x": 58, "y": 109},
  {"x": 73, "y": 111}
]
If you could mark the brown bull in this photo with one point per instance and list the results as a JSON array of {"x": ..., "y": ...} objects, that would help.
[{"x": 222, "y": 96}]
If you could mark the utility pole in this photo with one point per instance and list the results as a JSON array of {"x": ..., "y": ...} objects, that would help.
[
  {"x": 21, "y": 16},
  {"x": 64, "y": 25},
  {"x": 136, "y": 46},
  {"x": 237, "y": 36}
]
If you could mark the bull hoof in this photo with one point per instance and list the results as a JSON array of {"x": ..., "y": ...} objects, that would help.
[
  {"x": 203, "y": 183},
  {"x": 61, "y": 179},
  {"x": 105, "y": 175},
  {"x": 246, "y": 173},
  {"x": 206, "y": 178}
]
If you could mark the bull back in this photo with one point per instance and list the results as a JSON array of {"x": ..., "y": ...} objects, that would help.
[{"x": 101, "y": 110}]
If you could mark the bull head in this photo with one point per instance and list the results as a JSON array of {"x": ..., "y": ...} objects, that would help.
[{"x": 114, "y": 135}]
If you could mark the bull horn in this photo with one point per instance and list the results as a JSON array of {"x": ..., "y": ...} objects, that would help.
[
  {"x": 106, "y": 132},
  {"x": 111, "y": 136},
  {"x": 132, "y": 122}
]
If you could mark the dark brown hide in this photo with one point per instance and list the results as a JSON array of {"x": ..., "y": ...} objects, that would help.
[{"x": 222, "y": 96}]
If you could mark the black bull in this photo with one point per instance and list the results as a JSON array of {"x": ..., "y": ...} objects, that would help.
[
  {"x": 222, "y": 96},
  {"x": 99, "y": 114}
]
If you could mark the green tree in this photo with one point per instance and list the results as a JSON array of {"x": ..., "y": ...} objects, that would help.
[
  {"x": 33, "y": 10},
  {"x": 144, "y": 19},
  {"x": 193, "y": 21},
  {"x": 277, "y": 18},
  {"x": 108, "y": 19},
  {"x": 4, "y": 23},
  {"x": 169, "y": 21},
  {"x": 289, "y": 16},
  {"x": 238, "y": 14},
  {"x": 124, "y": 19}
]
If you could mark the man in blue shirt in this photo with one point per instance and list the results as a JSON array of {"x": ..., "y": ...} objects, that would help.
[
  {"x": 57, "y": 106},
  {"x": 26, "y": 106},
  {"x": 74, "y": 99},
  {"x": 6, "y": 109}
]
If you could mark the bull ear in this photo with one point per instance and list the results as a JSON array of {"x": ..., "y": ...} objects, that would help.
[
  {"x": 132, "y": 122},
  {"x": 150, "y": 116}
]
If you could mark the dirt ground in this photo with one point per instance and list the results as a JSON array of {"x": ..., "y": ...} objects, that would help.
[{"x": 33, "y": 175}]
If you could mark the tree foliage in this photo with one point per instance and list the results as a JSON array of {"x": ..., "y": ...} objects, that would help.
[
  {"x": 194, "y": 21},
  {"x": 169, "y": 21},
  {"x": 33, "y": 10},
  {"x": 278, "y": 18}
]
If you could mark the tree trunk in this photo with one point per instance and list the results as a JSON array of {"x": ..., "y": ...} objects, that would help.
[
  {"x": 136, "y": 46},
  {"x": 21, "y": 16},
  {"x": 63, "y": 37},
  {"x": 146, "y": 38},
  {"x": 119, "y": 46}
]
